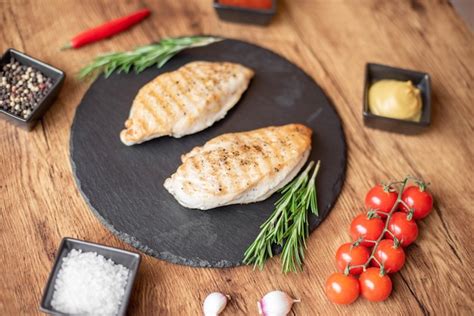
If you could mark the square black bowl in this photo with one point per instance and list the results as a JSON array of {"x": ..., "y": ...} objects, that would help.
[
  {"x": 245, "y": 15},
  {"x": 130, "y": 260},
  {"x": 376, "y": 72},
  {"x": 45, "y": 103}
]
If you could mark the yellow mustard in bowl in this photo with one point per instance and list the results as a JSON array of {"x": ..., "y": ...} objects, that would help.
[{"x": 395, "y": 99}]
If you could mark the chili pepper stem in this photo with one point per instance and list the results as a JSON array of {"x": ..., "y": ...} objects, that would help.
[{"x": 66, "y": 46}]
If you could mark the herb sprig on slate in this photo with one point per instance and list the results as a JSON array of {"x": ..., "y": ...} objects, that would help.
[
  {"x": 288, "y": 225},
  {"x": 144, "y": 56}
]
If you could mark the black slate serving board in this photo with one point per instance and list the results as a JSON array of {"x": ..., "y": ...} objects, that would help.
[{"x": 124, "y": 185}]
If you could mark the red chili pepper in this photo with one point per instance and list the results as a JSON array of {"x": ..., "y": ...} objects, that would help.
[{"x": 107, "y": 29}]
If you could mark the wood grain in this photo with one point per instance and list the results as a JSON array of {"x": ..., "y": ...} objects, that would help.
[{"x": 332, "y": 41}]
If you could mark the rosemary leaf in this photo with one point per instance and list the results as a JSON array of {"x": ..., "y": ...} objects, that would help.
[
  {"x": 288, "y": 225},
  {"x": 143, "y": 57}
]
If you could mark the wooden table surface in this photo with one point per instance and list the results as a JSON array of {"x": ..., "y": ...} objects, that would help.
[{"x": 331, "y": 40}]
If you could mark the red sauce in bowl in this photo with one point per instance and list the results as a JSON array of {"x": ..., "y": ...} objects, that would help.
[{"x": 252, "y": 4}]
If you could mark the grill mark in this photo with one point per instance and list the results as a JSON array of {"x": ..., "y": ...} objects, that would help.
[
  {"x": 196, "y": 170},
  {"x": 191, "y": 99},
  {"x": 142, "y": 124},
  {"x": 243, "y": 155},
  {"x": 197, "y": 166},
  {"x": 250, "y": 156},
  {"x": 167, "y": 85},
  {"x": 188, "y": 99},
  {"x": 162, "y": 103},
  {"x": 206, "y": 173},
  {"x": 217, "y": 175},
  {"x": 148, "y": 107},
  {"x": 204, "y": 75},
  {"x": 275, "y": 155},
  {"x": 292, "y": 137},
  {"x": 199, "y": 90},
  {"x": 186, "y": 187},
  {"x": 225, "y": 138},
  {"x": 161, "y": 115},
  {"x": 196, "y": 79},
  {"x": 268, "y": 162},
  {"x": 226, "y": 175},
  {"x": 242, "y": 175},
  {"x": 215, "y": 75},
  {"x": 218, "y": 142}
]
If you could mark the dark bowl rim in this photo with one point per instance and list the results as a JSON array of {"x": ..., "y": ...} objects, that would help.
[
  {"x": 369, "y": 114},
  {"x": 426, "y": 107},
  {"x": 48, "y": 284},
  {"x": 270, "y": 11},
  {"x": 61, "y": 75},
  {"x": 393, "y": 68}
]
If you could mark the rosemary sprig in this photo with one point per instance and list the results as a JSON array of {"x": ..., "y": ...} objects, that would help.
[
  {"x": 144, "y": 56},
  {"x": 288, "y": 225}
]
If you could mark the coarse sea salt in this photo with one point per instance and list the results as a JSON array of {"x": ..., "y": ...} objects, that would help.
[{"x": 89, "y": 284}]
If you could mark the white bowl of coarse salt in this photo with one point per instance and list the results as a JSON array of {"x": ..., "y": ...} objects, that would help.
[{"x": 90, "y": 279}]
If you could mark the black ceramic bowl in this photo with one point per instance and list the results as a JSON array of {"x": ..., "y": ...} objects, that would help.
[
  {"x": 55, "y": 74},
  {"x": 376, "y": 72},
  {"x": 130, "y": 260},
  {"x": 245, "y": 15}
]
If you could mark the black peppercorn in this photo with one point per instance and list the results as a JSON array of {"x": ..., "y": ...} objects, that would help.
[{"x": 22, "y": 88}]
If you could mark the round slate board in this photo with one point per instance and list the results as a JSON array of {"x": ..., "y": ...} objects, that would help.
[{"x": 124, "y": 185}]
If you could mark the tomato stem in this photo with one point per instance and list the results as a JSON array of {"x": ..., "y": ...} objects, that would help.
[
  {"x": 402, "y": 185},
  {"x": 372, "y": 214},
  {"x": 382, "y": 269},
  {"x": 421, "y": 185},
  {"x": 390, "y": 233},
  {"x": 346, "y": 270},
  {"x": 386, "y": 187},
  {"x": 389, "y": 216},
  {"x": 349, "y": 267},
  {"x": 405, "y": 205}
]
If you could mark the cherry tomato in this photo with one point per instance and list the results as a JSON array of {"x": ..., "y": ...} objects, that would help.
[
  {"x": 373, "y": 286},
  {"x": 353, "y": 255},
  {"x": 405, "y": 230},
  {"x": 391, "y": 257},
  {"x": 369, "y": 229},
  {"x": 342, "y": 289},
  {"x": 379, "y": 199},
  {"x": 421, "y": 201}
]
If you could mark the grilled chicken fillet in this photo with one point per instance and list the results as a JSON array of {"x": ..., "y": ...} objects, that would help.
[
  {"x": 239, "y": 168},
  {"x": 185, "y": 101}
]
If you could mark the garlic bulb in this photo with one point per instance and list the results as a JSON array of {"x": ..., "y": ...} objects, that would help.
[
  {"x": 276, "y": 303},
  {"x": 214, "y": 304}
]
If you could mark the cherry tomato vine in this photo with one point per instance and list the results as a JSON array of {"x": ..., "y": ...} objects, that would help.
[{"x": 378, "y": 239}]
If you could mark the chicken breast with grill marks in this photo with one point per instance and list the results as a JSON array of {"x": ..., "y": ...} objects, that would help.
[
  {"x": 185, "y": 101},
  {"x": 239, "y": 168}
]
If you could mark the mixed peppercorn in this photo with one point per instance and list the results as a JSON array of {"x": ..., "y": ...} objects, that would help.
[{"x": 22, "y": 88}]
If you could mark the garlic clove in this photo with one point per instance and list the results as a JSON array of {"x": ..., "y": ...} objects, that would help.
[
  {"x": 214, "y": 304},
  {"x": 276, "y": 303}
]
